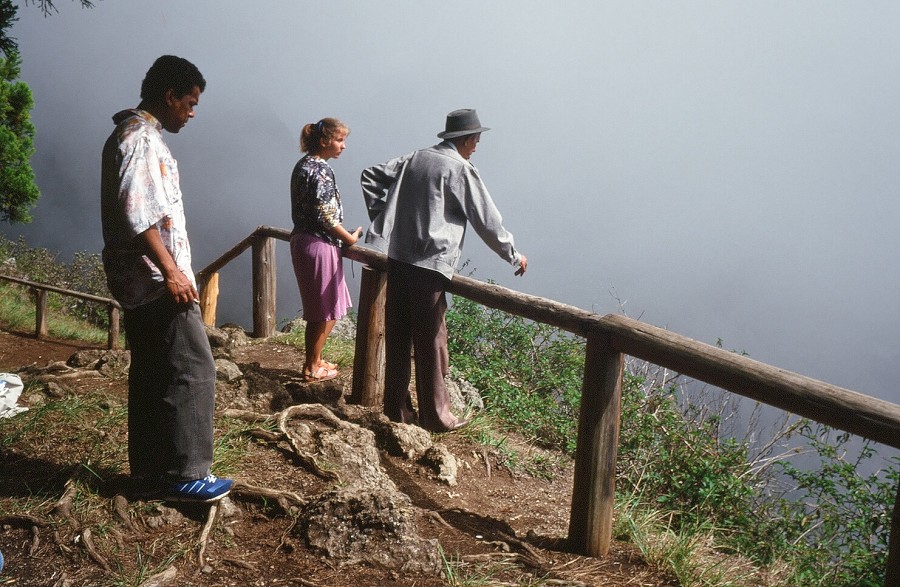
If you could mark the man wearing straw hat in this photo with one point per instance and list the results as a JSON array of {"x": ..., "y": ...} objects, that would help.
[{"x": 420, "y": 205}]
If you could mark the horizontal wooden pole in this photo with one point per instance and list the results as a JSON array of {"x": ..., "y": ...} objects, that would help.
[
  {"x": 223, "y": 260},
  {"x": 847, "y": 410},
  {"x": 62, "y": 290},
  {"x": 841, "y": 408}
]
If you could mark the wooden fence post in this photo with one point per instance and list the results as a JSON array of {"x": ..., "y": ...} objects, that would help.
[
  {"x": 263, "y": 287},
  {"x": 209, "y": 298},
  {"x": 368, "y": 361},
  {"x": 593, "y": 491},
  {"x": 112, "y": 340},
  {"x": 892, "y": 575},
  {"x": 40, "y": 313}
]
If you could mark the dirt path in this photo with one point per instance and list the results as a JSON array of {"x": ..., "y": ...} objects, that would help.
[{"x": 502, "y": 525}]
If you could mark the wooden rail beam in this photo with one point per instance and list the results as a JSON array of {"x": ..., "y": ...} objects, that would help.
[
  {"x": 41, "y": 311},
  {"x": 841, "y": 408},
  {"x": 609, "y": 338}
]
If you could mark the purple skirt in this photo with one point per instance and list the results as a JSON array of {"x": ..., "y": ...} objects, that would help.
[{"x": 320, "y": 277}]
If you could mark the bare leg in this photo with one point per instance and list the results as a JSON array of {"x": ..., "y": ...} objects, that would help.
[{"x": 315, "y": 337}]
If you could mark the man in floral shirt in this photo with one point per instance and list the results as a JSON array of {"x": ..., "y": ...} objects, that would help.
[{"x": 147, "y": 258}]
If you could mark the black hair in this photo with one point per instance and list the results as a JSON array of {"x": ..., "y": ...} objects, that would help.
[{"x": 171, "y": 73}]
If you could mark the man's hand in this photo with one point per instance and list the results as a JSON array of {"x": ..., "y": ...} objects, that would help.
[
  {"x": 179, "y": 286},
  {"x": 523, "y": 266},
  {"x": 181, "y": 289}
]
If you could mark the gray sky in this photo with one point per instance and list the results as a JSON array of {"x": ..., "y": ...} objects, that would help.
[{"x": 728, "y": 170}]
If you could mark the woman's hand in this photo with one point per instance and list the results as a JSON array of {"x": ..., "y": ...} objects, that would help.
[{"x": 353, "y": 237}]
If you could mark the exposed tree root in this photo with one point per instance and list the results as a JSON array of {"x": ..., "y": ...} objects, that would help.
[
  {"x": 526, "y": 552},
  {"x": 163, "y": 579},
  {"x": 22, "y": 521},
  {"x": 63, "y": 507},
  {"x": 239, "y": 563},
  {"x": 288, "y": 502},
  {"x": 87, "y": 540},
  {"x": 120, "y": 511},
  {"x": 204, "y": 535},
  {"x": 35, "y": 540},
  {"x": 247, "y": 415},
  {"x": 521, "y": 560},
  {"x": 74, "y": 374},
  {"x": 282, "y": 418}
]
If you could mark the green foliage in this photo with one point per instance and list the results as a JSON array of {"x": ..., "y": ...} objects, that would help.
[
  {"x": 84, "y": 274},
  {"x": 835, "y": 504},
  {"x": 676, "y": 461},
  {"x": 49, "y": 6},
  {"x": 18, "y": 192},
  {"x": 7, "y": 18},
  {"x": 530, "y": 374},
  {"x": 680, "y": 465}
]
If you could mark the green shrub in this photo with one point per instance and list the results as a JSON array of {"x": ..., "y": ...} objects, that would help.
[
  {"x": 684, "y": 467},
  {"x": 837, "y": 519},
  {"x": 529, "y": 374},
  {"x": 674, "y": 456},
  {"x": 84, "y": 274}
]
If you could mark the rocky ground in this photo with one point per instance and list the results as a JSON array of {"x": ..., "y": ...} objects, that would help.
[{"x": 328, "y": 494}]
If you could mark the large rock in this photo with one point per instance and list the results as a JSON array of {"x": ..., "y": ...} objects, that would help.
[
  {"x": 365, "y": 518},
  {"x": 377, "y": 526},
  {"x": 227, "y": 371},
  {"x": 441, "y": 462},
  {"x": 112, "y": 363},
  {"x": 464, "y": 397}
]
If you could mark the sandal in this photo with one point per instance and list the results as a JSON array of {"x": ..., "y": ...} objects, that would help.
[{"x": 320, "y": 374}]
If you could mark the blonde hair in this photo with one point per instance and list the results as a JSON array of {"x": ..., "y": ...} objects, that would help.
[{"x": 314, "y": 133}]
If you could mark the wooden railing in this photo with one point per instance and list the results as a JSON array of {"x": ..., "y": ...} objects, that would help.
[
  {"x": 609, "y": 339},
  {"x": 40, "y": 307}
]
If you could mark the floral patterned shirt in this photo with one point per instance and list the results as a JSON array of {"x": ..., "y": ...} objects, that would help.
[
  {"x": 140, "y": 189},
  {"x": 315, "y": 199}
]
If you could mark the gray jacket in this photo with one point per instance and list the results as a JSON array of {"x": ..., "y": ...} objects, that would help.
[{"x": 419, "y": 205}]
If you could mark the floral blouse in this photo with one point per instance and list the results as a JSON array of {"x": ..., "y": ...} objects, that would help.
[
  {"x": 315, "y": 199},
  {"x": 140, "y": 189}
]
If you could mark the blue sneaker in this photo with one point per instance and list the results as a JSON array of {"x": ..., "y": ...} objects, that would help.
[{"x": 206, "y": 490}]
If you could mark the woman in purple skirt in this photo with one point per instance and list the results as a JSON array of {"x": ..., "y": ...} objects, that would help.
[{"x": 317, "y": 239}]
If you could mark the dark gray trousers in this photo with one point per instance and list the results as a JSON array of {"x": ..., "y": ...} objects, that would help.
[
  {"x": 414, "y": 318},
  {"x": 171, "y": 391}
]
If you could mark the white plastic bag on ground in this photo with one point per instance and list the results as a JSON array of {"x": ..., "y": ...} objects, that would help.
[{"x": 10, "y": 389}]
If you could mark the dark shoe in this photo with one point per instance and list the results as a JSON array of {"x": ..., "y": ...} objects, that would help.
[
  {"x": 206, "y": 490},
  {"x": 143, "y": 488}
]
